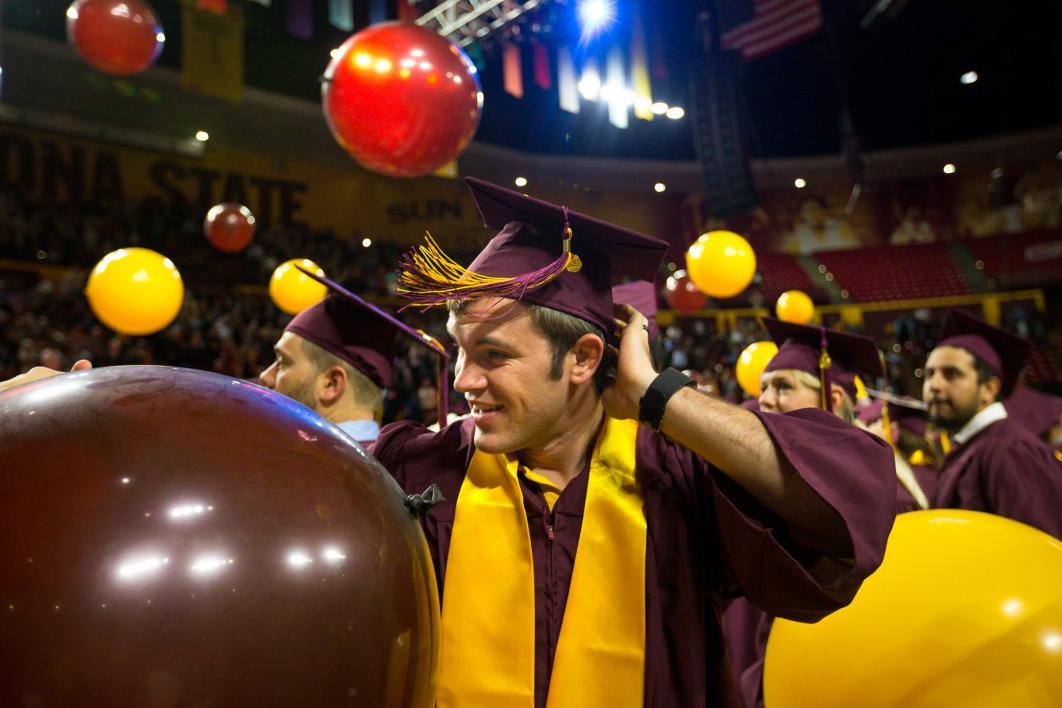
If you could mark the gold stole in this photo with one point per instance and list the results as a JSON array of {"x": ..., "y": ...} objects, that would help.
[{"x": 488, "y": 614}]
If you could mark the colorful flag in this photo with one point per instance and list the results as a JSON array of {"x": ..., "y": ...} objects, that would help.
[
  {"x": 643, "y": 92},
  {"x": 567, "y": 83},
  {"x": 540, "y": 64},
  {"x": 218, "y": 6},
  {"x": 212, "y": 52},
  {"x": 615, "y": 90},
  {"x": 759, "y": 27},
  {"x": 341, "y": 14},
  {"x": 300, "y": 18},
  {"x": 512, "y": 71}
]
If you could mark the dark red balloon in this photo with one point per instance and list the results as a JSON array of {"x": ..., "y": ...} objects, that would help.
[
  {"x": 682, "y": 294},
  {"x": 121, "y": 37},
  {"x": 401, "y": 99},
  {"x": 171, "y": 537},
  {"x": 229, "y": 227}
]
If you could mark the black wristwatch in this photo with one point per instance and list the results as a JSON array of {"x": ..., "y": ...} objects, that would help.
[{"x": 664, "y": 386}]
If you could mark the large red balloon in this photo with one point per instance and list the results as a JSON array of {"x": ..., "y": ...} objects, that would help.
[
  {"x": 120, "y": 37},
  {"x": 229, "y": 227},
  {"x": 171, "y": 537},
  {"x": 401, "y": 99},
  {"x": 682, "y": 294}
]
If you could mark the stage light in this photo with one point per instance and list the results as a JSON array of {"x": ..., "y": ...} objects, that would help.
[
  {"x": 659, "y": 108},
  {"x": 800, "y": 183},
  {"x": 659, "y": 187},
  {"x": 595, "y": 15},
  {"x": 674, "y": 113},
  {"x": 590, "y": 84},
  {"x": 949, "y": 169},
  {"x": 202, "y": 136},
  {"x": 520, "y": 181},
  {"x": 968, "y": 78}
]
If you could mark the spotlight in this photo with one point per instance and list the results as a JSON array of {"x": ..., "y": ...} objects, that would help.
[
  {"x": 800, "y": 183},
  {"x": 520, "y": 181},
  {"x": 674, "y": 113},
  {"x": 595, "y": 15},
  {"x": 202, "y": 136},
  {"x": 949, "y": 169},
  {"x": 968, "y": 78},
  {"x": 659, "y": 187}
]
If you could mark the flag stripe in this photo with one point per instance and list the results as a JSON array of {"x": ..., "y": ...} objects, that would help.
[
  {"x": 763, "y": 33},
  {"x": 740, "y": 35},
  {"x": 783, "y": 39}
]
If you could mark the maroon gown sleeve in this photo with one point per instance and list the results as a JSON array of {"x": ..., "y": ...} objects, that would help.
[
  {"x": 853, "y": 472},
  {"x": 1022, "y": 480}
]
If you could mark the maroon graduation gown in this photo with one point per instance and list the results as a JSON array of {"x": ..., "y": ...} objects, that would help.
[
  {"x": 1004, "y": 470},
  {"x": 707, "y": 539}
]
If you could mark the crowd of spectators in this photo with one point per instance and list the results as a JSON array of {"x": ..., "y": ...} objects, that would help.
[{"x": 230, "y": 329}]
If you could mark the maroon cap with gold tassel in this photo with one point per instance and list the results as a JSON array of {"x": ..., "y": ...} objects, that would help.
[{"x": 543, "y": 254}]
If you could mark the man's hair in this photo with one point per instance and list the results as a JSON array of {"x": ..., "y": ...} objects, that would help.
[
  {"x": 984, "y": 371},
  {"x": 847, "y": 410},
  {"x": 562, "y": 331},
  {"x": 365, "y": 393}
]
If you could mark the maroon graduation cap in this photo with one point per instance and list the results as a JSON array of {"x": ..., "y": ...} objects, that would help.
[
  {"x": 641, "y": 295},
  {"x": 1004, "y": 353},
  {"x": 543, "y": 253},
  {"x": 833, "y": 357},
  {"x": 909, "y": 413},
  {"x": 363, "y": 335}
]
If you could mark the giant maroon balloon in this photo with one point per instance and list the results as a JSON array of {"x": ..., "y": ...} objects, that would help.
[
  {"x": 229, "y": 227},
  {"x": 401, "y": 99},
  {"x": 120, "y": 37},
  {"x": 174, "y": 537},
  {"x": 682, "y": 294}
]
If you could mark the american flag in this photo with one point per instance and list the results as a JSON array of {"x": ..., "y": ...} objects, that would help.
[{"x": 759, "y": 27}]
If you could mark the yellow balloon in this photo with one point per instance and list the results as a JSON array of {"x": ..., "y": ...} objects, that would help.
[
  {"x": 965, "y": 611},
  {"x": 751, "y": 363},
  {"x": 794, "y": 306},
  {"x": 721, "y": 263},
  {"x": 135, "y": 291},
  {"x": 292, "y": 290}
]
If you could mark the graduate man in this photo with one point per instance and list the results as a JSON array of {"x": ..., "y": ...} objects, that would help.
[
  {"x": 592, "y": 515},
  {"x": 994, "y": 463},
  {"x": 336, "y": 358}
]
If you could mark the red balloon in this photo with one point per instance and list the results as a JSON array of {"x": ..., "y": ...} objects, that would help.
[
  {"x": 682, "y": 294},
  {"x": 120, "y": 37},
  {"x": 229, "y": 227},
  {"x": 401, "y": 100},
  {"x": 178, "y": 537}
]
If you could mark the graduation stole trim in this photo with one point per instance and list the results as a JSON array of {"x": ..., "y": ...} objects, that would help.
[{"x": 488, "y": 612}]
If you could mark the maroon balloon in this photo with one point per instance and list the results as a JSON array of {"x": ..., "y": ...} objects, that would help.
[
  {"x": 173, "y": 537},
  {"x": 229, "y": 227},
  {"x": 401, "y": 99},
  {"x": 682, "y": 294},
  {"x": 121, "y": 37}
]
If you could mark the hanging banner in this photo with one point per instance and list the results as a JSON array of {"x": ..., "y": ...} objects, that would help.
[{"x": 212, "y": 52}]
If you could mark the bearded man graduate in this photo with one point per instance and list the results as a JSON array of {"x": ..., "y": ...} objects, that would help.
[
  {"x": 590, "y": 517},
  {"x": 994, "y": 464}
]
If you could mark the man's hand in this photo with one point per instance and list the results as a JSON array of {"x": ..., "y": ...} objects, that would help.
[
  {"x": 42, "y": 372},
  {"x": 634, "y": 365}
]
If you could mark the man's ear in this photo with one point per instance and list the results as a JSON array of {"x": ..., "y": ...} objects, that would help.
[
  {"x": 331, "y": 384},
  {"x": 586, "y": 354},
  {"x": 990, "y": 390}
]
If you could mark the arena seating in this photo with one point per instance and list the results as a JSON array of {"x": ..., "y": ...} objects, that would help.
[{"x": 895, "y": 273}]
